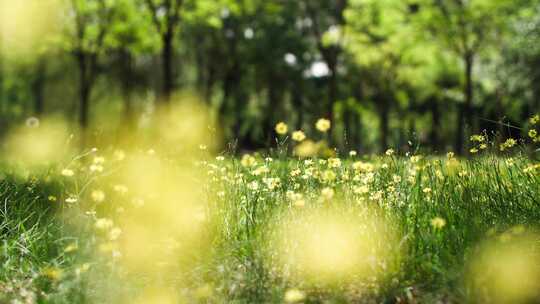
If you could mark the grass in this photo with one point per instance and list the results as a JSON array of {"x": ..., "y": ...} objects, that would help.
[{"x": 437, "y": 212}]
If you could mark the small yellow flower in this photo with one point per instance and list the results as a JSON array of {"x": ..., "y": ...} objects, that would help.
[
  {"x": 248, "y": 161},
  {"x": 119, "y": 155},
  {"x": 98, "y": 196},
  {"x": 533, "y": 133},
  {"x": 68, "y": 172},
  {"x": 327, "y": 193},
  {"x": 53, "y": 273},
  {"x": 535, "y": 119},
  {"x": 71, "y": 247},
  {"x": 294, "y": 296},
  {"x": 71, "y": 200},
  {"x": 473, "y": 150},
  {"x": 450, "y": 154},
  {"x": 103, "y": 224},
  {"x": 298, "y": 136},
  {"x": 334, "y": 162},
  {"x": 281, "y": 128},
  {"x": 323, "y": 125},
  {"x": 52, "y": 198},
  {"x": 438, "y": 223}
]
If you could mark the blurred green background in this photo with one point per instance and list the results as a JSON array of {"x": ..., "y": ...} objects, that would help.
[{"x": 385, "y": 72}]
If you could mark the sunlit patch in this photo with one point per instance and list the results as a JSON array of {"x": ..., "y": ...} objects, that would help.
[
  {"x": 27, "y": 26},
  {"x": 45, "y": 143},
  {"x": 507, "y": 269},
  {"x": 328, "y": 247}
]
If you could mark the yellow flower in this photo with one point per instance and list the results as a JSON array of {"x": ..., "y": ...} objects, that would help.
[
  {"x": 68, "y": 172},
  {"x": 438, "y": 223},
  {"x": 473, "y": 150},
  {"x": 327, "y": 193},
  {"x": 450, "y": 154},
  {"x": 248, "y": 161},
  {"x": 103, "y": 224},
  {"x": 281, "y": 128},
  {"x": 323, "y": 125},
  {"x": 52, "y": 273},
  {"x": 533, "y": 133},
  {"x": 294, "y": 296},
  {"x": 298, "y": 136},
  {"x": 98, "y": 196},
  {"x": 334, "y": 162},
  {"x": 535, "y": 119}
]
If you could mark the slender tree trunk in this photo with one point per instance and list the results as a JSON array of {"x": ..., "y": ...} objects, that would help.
[
  {"x": 84, "y": 90},
  {"x": 38, "y": 87},
  {"x": 435, "y": 125},
  {"x": 167, "y": 61},
  {"x": 127, "y": 90},
  {"x": 469, "y": 94},
  {"x": 384, "y": 125},
  {"x": 460, "y": 129}
]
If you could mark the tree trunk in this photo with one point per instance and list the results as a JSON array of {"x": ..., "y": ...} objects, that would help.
[
  {"x": 384, "y": 125},
  {"x": 167, "y": 60},
  {"x": 38, "y": 87},
  {"x": 127, "y": 88},
  {"x": 460, "y": 129},
  {"x": 84, "y": 90},
  {"x": 469, "y": 94},
  {"x": 435, "y": 125}
]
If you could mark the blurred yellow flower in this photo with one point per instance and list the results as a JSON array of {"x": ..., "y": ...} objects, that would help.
[
  {"x": 281, "y": 128},
  {"x": 323, "y": 125},
  {"x": 298, "y": 136},
  {"x": 438, "y": 223},
  {"x": 327, "y": 193},
  {"x": 98, "y": 196},
  {"x": 294, "y": 296},
  {"x": 533, "y": 133},
  {"x": 68, "y": 172}
]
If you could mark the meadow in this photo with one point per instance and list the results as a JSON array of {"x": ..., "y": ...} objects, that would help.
[{"x": 298, "y": 223}]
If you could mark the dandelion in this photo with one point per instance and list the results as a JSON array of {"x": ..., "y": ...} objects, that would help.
[
  {"x": 427, "y": 190},
  {"x": 71, "y": 200},
  {"x": 68, "y": 172},
  {"x": 352, "y": 153},
  {"x": 96, "y": 168},
  {"x": 248, "y": 161},
  {"x": 509, "y": 143},
  {"x": 119, "y": 155},
  {"x": 52, "y": 273},
  {"x": 473, "y": 150},
  {"x": 334, "y": 162},
  {"x": 533, "y": 134},
  {"x": 298, "y": 136},
  {"x": 323, "y": 125},
  {"x": 438, "y": 223},
  {"x": 294, "y": 296},
  {"x": 114, "y": 233},
  {"x": 98, "y": 196},
  {"x": 281, "y": 128},
  {"x": 535, "y": 119},
  {"x": 327, "y": 193},
  {"x": 71, "y": 247},
  {"x": 122, "y": 189},
  {"x": 103, "y": 224},
  {"x": 52, "y": 198},
  {"x": 32, "y": 122}
]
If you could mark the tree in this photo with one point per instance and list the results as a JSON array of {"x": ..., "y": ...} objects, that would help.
[
  {"x": 91, "y": 21},
  {"x": 467, "y": 28},
  {"x": 166, "y": 17}
]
